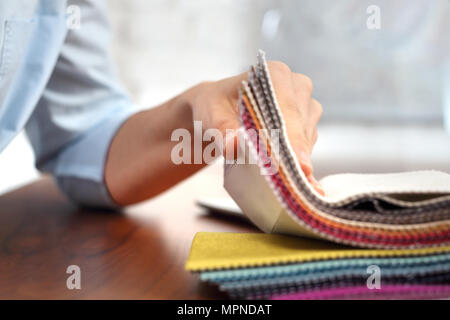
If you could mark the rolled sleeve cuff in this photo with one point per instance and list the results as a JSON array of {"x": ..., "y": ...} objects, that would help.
[{"x": 80, "y": 167}]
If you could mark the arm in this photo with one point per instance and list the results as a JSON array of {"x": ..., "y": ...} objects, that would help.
[
  {"x": 139, "y": 162},
  {"x": 85, "y": 132}
]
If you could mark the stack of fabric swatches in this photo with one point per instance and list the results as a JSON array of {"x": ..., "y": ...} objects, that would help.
[
  {"x": 268, "y": 266},
  {"x": 398, "y": 224},
  {"x": 397, "y": 210}
]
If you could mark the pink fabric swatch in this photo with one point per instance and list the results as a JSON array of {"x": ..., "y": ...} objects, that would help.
[{"x": 364, "y": 293}]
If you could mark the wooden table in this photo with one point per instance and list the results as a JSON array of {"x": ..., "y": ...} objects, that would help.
[{"x": 137, "y": 254}]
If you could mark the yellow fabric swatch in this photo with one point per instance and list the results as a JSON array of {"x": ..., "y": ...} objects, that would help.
[{"x": 223, "y": 250}]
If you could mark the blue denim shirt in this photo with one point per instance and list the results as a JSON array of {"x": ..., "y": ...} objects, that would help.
[{"x": 59, "y": 85}]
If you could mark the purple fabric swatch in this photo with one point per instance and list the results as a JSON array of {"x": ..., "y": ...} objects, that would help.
[{"x": 364, "y": 293}]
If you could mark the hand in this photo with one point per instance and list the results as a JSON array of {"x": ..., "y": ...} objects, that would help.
[
  {"x": 139, "y": 164},
  {"x": 216, "y": 105}
]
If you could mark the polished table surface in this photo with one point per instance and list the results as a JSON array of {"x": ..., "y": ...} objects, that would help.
[{"x": 136, "y": 254}]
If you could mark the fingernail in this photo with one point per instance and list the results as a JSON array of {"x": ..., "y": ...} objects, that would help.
[
  {"x": 317, "y": 186},
  {"x": 321, "y": 191}
]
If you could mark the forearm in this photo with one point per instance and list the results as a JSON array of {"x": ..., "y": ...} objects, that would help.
[{"x": 139, "y": 164}]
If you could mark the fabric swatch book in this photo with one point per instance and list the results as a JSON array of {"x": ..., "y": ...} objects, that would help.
[
  {"x": 269, "y": 266},
  {"x": 395, "y": 224},
  {"x": 396, "y": 210}
]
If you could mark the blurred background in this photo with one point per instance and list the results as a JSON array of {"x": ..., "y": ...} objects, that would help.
[{"x": 384, "y": 90}]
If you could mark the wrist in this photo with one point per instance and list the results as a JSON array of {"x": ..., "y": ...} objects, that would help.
[{"x": 198, "y": 93}]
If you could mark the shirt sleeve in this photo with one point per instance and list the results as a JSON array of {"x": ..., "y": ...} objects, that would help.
[{"x": 80, "y": 110}]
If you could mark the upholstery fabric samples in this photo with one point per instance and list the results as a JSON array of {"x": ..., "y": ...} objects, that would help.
[
  {"x": 403, "y": 210},
  {"x": 372, "y": 236},
  {"x": 268, "y": 266}
]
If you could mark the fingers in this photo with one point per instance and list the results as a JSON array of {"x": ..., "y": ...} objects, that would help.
[
  {"x": 314, "y": 113},
  {"x": 228, "y": 125},
  {"x": 303, "y": 88},
  {"x": 231, "y": 145},
  {"x": 284, "y": 87},
  {"x": 315, "y": 136},
  {"x": 301, "y": 113},
  {"x": 316, "y": 184}
]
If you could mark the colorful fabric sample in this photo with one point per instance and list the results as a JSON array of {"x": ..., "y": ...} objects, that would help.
[
  {"x": 268, "y": 266},
  {"x": 403, "y": 210},
  {"x": 396, "y": 225},
  {"x": 403, "y": 292}
]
